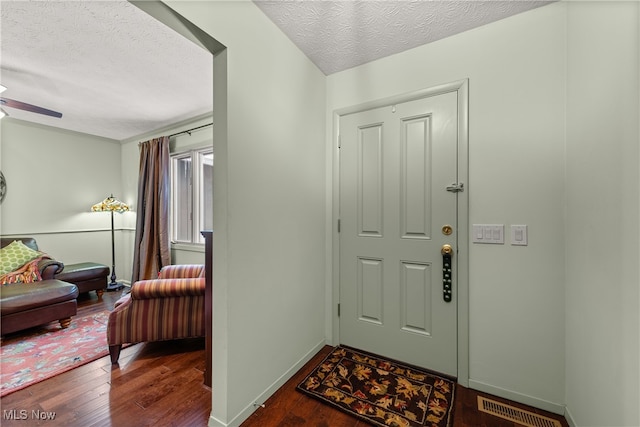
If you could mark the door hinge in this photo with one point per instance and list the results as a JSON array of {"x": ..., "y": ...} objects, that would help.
[
  {"x": 338, "y": 309},
  {"x": 338, "y": 225},
  {"x": 456, "y": 187},
  {"x": 339, "y": 141}
]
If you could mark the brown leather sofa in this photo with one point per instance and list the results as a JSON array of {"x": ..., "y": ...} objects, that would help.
[
  {"x": 24, "y": 305},
  {"x": 87, "y": 276}
]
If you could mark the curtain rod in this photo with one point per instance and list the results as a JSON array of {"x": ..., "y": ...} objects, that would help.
[
  {"x": 190, "y": 130},
  {"x": 184, "y": 131}
]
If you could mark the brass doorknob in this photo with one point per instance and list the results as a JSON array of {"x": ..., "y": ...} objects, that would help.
[{"x": 446, "y": 250}]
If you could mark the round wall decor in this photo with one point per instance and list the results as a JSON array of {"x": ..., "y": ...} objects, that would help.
[{"x": 3, "y": 187}]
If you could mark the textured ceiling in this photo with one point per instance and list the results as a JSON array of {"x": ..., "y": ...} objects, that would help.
[
  {"x": 337, "y": 35},
  {"x": 108, "y": 67},
  {"x": 114, "y": 71}
]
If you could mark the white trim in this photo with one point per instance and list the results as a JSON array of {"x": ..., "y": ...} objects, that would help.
[
  {"x": 335, "y": 236},
  {"x": 45, "y": 233},
  {"x": 463, "y": 234},
  {"x": 262, "y": 397},
  {"x": 197, "y": 159},
  {"x": 462, "y": 89},
  {"x": 406, "y": 97},
  {"x": 187, "y": 247},
  {"x": 569, "y": 417},
  {"x": 518, "y": 397}
]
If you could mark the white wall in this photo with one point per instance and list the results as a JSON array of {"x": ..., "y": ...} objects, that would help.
[
  {"x": 54, "y": 177},
  {"x": 516, "y": 144},
  {"x": 603, "y": 214},
  {"x": 268, "y": 297}
]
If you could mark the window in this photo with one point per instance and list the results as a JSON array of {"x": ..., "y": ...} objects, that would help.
[{"x": 191, "y": 195}]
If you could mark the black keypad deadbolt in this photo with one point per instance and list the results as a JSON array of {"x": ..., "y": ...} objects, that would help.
[{"x": 447, "y": 277}]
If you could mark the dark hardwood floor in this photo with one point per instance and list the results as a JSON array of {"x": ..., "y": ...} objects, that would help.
[
  {"x": 161, "y": 384},
  {"x": 288, "y": 407}
]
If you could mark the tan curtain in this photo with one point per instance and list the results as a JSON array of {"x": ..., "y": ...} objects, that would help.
[{"x": 151, "y": 250}]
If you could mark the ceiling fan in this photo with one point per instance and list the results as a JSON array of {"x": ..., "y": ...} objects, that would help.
[{"x": 12, "y": 103}]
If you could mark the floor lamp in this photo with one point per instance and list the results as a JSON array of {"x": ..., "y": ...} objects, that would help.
[{"x": 110, "y": 204}]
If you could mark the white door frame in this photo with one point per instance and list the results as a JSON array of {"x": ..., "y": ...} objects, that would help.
[{"x": 462, "y": 230}]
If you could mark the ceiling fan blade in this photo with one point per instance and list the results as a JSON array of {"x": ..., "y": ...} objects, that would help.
[{"x": 12, "y": 103}]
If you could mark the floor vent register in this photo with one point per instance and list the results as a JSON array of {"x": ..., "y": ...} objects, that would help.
[{"x": 517, "y": 415}]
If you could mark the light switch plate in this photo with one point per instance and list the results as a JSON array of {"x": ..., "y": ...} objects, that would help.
[
  {"x": 488, "y": 233},
  {"x": 519, "y": 235}
]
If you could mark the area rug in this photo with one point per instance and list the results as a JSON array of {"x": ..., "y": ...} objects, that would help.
[
  {"x": 47, "y": 351},
  {"x": 382, "y": 392}
]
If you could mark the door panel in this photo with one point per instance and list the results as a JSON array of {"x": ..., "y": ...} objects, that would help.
[
  {"x": 415, "y": 203},
  {"x": 370, "y": 178},
  {"x": 395, "y": 165},
  {"x": 415, "y": 297},
  {"x": 370, "y": 290}
]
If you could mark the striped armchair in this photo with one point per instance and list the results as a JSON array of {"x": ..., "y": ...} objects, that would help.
[{"x": 169, "y": 307}]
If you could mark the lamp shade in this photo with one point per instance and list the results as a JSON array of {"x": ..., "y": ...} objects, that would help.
[{"x": 110, "y": 204}]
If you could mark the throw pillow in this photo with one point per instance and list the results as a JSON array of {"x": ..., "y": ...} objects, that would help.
[{"x": 15, "y": 255}]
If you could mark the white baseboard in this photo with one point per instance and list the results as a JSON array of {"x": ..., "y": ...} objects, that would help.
[
  {"x": 518, "y": 397},
  {"x": 262, "y": 397},
  {"x": 214, "y": 422},
  {"x": 569, "y": 418}
]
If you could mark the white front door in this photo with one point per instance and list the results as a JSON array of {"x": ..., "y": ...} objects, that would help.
[{"x": 396, "y": 163}]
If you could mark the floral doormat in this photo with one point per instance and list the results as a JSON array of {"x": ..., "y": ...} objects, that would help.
[
  {"x": 41, "y": 353},
  {"x": 382, "y": 392}
]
